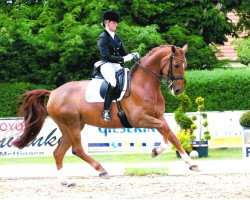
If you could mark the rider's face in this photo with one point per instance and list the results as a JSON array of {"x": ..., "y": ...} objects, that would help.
[{"x": 112, "y": 25}]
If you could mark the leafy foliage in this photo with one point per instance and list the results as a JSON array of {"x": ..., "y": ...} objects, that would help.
[
  {"x": 245, "y": 119},
  {"x": 53, "y": 42},
  {"x": 185, "y": 137},
  {"x": 185, "y": 134},
  {"x": 243, "y": 50},
  {"x": 203, "y": 134},
  {"x": 9, "y": 94},
  {"x": 223, "y": 89},
  {"x": 180, "y": 117}
]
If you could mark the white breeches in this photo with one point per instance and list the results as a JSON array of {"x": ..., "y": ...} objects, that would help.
[{"x": 108, "y": 71}]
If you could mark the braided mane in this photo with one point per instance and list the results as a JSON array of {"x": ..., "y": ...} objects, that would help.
[{"x": 152, "y": 51}]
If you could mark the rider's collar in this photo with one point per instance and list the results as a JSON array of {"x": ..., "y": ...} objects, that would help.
[{"x": 111, "y": 33}]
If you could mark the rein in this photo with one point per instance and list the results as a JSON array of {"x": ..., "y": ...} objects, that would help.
[{"x": 168, "y": 81}]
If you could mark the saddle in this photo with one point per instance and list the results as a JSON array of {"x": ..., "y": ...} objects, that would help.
[{"x": 97, "y": 87}]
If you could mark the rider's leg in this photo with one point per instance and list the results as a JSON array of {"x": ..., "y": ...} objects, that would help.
[
  {"x": 107, "y": 102},
  {"x": 108, "y": 71}
]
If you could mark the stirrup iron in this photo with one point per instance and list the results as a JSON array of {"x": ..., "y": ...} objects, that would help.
[{"x": 106, "y": 115}]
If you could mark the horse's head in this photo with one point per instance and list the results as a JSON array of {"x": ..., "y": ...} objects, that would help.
[
  {"x": 166, "y": 64},
  {"x": 173, "y": 67}
]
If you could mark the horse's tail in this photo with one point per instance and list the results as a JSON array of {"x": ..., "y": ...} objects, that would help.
[{"x": 34, "y": 110}]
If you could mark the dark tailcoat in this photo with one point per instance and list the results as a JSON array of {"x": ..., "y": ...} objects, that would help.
[{"x": 111, "y": 50}]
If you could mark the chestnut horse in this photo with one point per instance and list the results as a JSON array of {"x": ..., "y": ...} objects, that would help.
[{"x": 144, "y": 107}]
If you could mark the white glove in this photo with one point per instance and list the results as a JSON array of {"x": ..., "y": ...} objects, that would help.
[
  {"x": 128, "y": 57},
  {"x": 136, "y": 55}
]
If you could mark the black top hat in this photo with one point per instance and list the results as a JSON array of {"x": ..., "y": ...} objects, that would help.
[{"x": 111, "y": 15}]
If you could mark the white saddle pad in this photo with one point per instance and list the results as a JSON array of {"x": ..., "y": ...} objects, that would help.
[{"x": 92, "y": 92}]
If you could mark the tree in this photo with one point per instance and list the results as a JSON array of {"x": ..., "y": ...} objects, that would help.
[
  {"x": 242, "y": 8},
  {"x": 54, "y": 41}
]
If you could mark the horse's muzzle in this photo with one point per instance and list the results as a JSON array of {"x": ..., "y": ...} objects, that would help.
[{"x": 177, "y": 91}]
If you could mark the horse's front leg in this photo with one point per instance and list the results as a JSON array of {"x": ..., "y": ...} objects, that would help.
[
  {"x": 175, "y": 141},
  {"x": 160, "y": 124}
]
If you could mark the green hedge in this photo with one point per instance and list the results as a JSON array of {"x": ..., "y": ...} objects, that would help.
[
  {"x": 9, "y": 93},
  {"x": 223, "y": 89}
]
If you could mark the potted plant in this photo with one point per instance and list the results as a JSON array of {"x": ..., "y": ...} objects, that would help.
[
  {"x": 185, "y": 134},
  {"x": 201, "y": 144},
  {"x": 185, "y": 137},
  {"x": 187, "y": 126},
  {"x": 245, "y": 123},
  {"x": 245, "y": 120}
]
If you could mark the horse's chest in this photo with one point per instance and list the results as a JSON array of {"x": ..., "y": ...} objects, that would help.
[
  {"x": 154, "y": 108},
  {"x": 147, "y": 104},
  {"x": 154, "y": 102}
]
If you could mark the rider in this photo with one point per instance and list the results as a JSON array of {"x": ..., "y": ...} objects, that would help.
[{"x": 113, "y": 55}]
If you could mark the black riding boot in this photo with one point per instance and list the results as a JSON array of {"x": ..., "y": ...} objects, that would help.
[{"x": 107, "y": 103}]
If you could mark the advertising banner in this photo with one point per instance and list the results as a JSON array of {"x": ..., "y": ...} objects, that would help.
[
  {"x": 223, "y": 126},
  {"x": 43, "y": 145},
  {"x": 94, "y": 139},
  {"x": 246, "y": 143}
]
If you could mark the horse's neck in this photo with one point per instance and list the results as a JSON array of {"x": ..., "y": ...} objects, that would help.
[
  {"x": 148, "y": 79},
  {"x": 144, "y": 80},
  {"x": 148, "y": 69}
]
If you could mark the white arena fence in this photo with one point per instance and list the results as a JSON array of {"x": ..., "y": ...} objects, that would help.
[{"x": 224, "y": 128}]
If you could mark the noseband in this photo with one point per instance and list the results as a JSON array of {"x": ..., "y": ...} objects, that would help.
[{"x": 166, "y": 80}]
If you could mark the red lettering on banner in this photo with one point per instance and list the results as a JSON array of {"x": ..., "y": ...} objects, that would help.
[
  {"x": 19, "y": 126},
  {"x": 11, "y": 126},
  {"x": 3, "y": 127}
]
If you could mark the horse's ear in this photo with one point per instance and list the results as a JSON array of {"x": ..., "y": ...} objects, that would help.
[
  {"x": 173, "y": 48},
  {"x": 185, "y": 48}
]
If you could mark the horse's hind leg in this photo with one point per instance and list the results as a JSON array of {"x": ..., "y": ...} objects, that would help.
[
  {"x": 77, "y": 149},
  {"x": 59, "y": 154}
]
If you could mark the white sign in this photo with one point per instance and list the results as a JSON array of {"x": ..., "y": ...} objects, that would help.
[
  {"x": 95, "y": 139},
  {"x": 221, "y": 125},
  {"x": 43, "y": 145},
  {"x": 123, "y": 139},
  {"x": 246, "y": 143}
]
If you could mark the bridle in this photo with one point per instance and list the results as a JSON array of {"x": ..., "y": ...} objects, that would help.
[{"x": 170, "y": 78}]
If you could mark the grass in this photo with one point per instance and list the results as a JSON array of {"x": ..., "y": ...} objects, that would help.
[
  {"x": 214, "y": 154},
  {"x": 146, "y": 171}
]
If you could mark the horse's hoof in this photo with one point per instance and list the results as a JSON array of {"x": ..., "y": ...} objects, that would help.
[
  {"x": 195, "y": 168},
  {"x": 154, "y": 153},
  {"x": 71, "y": 184},
  {"x": 104, "y": 175},
  {"x": 64, "y": 182},
  {"x": 68, "y": 184}
]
